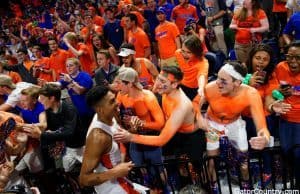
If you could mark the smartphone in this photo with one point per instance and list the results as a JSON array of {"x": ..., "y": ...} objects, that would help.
[
  {"x": 284, "y": 85},
  {"x": 262, "y": 74},
  {"x": 61, "y": 76}
]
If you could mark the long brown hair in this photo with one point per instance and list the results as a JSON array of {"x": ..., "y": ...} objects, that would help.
[{"x": 255, "y": 7}]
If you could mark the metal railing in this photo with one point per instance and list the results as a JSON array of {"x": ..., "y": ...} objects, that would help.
[{"x": 182, "y": 173}]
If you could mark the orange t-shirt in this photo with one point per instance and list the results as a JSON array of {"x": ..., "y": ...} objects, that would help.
[
  {"x": 165, "y": 34},
  {"x": 144, "y": 76},
  {"x": 180, "y": 14},
  {"x": 140, "y": 41},
  {"x": 279, "y": 7},
  {"x": 95, "y": 28},
  {"x": 57, "y": 61},
  {"x": 28, "y": 64},
  {"x": 227, "y": 109},
  {"x": 191, "y": 69},
  {"x": 84, "y": 32},
  {"x": 243, "y": 36},
  {"x": 44, "y": 63},
  {"x": 15, "y": 77},
  {"x": 146, "y": 108},
  {"x": 283, "y": 73},
  {"x": 140, "y": 21},
  {"x": 98, "y": 20},
  {"x": 263, "y": 91},
  {"x": 86, "y": 59}
]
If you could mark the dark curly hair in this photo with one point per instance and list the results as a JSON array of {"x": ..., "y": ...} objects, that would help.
[{"x": 269, "y": 68}]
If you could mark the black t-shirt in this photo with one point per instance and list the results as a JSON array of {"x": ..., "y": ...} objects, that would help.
[{"x": 65, "y": 125}]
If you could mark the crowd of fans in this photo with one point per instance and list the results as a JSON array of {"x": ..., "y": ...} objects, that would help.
[{"x": 109, "y": 85}]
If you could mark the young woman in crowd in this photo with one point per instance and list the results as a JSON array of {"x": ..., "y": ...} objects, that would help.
[
  {"x": 193, "y": 65},
  {"x": 260, "y": 74},
  {"x": 287, "y": 104},
  {"x": 249, "y": 23},
  {"x": 99, "y": 43}
]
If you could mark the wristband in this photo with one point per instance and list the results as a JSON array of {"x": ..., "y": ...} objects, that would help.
[
  {"x": 277, "y": 95},
  {"x": 247, "y": 79},
  {"x": 270, "y": 108}
]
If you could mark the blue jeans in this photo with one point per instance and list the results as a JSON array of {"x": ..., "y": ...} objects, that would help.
[
  {"x": 289, "y": 137},
  {"x": 145, "y": 155},
  {"x": 272, "y": 123},
  {"x": 251, "y": 132}
]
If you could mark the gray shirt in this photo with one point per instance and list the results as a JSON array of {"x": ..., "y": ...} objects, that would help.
[{"x": 212, "y": 7}]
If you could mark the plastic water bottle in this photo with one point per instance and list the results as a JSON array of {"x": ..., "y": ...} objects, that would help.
[{"x": 277, "y": 95}]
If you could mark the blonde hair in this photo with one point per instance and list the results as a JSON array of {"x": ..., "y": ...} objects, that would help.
[
  {"x": 75, "y": 61},
  {"x": 70, "y": 36},
  {"x": 32, "y": 91}
]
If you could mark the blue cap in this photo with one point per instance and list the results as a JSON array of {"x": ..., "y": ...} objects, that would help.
[
  {"x": 161, "y": 10},
  {"x": 190, "y": 21}
]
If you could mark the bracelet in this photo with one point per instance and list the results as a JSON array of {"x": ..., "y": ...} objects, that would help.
[
  {"x": 247, "y": 79},
  {"x": 270, "y": 108}
]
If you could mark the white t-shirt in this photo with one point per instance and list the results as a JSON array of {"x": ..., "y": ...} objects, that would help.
[{"x": 14, "y": 98}]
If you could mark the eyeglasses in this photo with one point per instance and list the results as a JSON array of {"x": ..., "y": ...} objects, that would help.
[{"x": 291, "y": 57}]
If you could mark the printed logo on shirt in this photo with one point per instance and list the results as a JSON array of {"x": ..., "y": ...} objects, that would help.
[
  {"x": 144, "y": 81},
  {"x": 296, "y": 90},
  {"x": 161, "y": 34},
  {"x": 132, "y": 40},
  {"x": 185, "y": 16}
]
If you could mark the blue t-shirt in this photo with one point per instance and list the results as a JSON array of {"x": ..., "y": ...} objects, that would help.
[
  {"x": 84, "y": 80},
  {"x": 168, "y": 7},
  {"x": 150, "y": 16},
  {"x": 293, "y": 25},
  {"x": 32, "y": 116},
  {"x": 46, "y": 21},
  {"x": 114, "y": 33}
]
